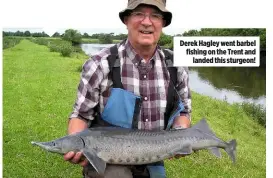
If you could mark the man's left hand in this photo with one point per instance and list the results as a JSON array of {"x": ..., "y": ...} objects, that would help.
[{"x": 181, "y": 122}]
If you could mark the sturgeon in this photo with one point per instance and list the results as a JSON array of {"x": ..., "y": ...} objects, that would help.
[{"x": 115, "y": 145}]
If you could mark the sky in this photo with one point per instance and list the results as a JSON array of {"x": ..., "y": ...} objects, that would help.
[
  {"x": 85, "y": 16},
  {"x": 102, "y": 16}
]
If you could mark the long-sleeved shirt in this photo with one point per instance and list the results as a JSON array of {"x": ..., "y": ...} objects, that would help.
[{"x": 150, "y": 80}]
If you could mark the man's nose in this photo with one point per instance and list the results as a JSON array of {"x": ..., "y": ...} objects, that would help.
[{"x": 146, "y": 20}]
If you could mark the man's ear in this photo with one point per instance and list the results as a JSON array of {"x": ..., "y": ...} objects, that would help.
[
  {"x": 126, "y": 20},
  {"x": 164, "y": 23}
]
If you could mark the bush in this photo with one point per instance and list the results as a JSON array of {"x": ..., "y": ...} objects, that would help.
[
  {"x": 257, "y": 112},
  {"x": 66, "y": 50},
  {"x": 58, "y": 45},
  {"x": 9, "y": 42},
  {"x": 105, "y": 39},
  {"x": 54, "y": 48},
  {"x": 41, "y": 41},
  {"x": 77, "y": 49}
]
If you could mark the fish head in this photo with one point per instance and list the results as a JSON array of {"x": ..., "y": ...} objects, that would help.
[{"x": 62, "y": 145}]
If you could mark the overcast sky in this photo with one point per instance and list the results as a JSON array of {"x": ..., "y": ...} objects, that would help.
[{"x": 98, "y": 16}]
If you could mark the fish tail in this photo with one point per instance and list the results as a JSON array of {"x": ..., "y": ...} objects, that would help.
[{"x": 231, "y": 149}]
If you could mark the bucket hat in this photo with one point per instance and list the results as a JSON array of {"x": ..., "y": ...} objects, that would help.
[{"x": 160, "y": 4}]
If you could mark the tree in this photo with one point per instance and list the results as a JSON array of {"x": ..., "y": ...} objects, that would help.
[
  {"x": 190, "y": 33},
  {"x": 85, "y": 35},
  {"x": 56, "y": 34},
  {"x": 27, "y": 33},
  {"x": 120, "y": 36},
  {"x": 44, "y": 34},
  {"x": 164, "y": 39},
  {"x": 18, "y": 33},
  {"x": 72, "y": 35},
  {"x": 106, "y": 38}
]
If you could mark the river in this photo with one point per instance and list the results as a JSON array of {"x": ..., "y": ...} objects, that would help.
[{"x": 231, "y": 84}]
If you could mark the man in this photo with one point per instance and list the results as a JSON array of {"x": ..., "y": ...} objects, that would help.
[{"x": 135, "y": 96}]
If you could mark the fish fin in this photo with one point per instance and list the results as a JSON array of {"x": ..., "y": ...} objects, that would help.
[
  {"x": 203, "y": 126},
  {"x": 95, "y": 161},
  {"x": 231, "y": 150},
  {"x": 215, "y": 151},
  {"x": 186, "y": 150}
]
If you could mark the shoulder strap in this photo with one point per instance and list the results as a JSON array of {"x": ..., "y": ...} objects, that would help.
[
  {"x": 171, "y": 68},
  {"x": 172, "y": 96},
  {"x": 114, "y": 67}
]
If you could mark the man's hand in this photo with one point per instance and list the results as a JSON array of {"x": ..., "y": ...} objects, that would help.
[
  {"x": 76, "y": 158},
  {"x": 180, "y": 122},
  {"x": 76, "y": 125}
]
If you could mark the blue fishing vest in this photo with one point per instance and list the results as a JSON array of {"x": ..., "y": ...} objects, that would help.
[{"x": 122, "y": 107}]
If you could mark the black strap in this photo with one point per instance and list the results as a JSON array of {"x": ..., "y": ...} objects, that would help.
[
  {"x": 171, "y": 68},
  {"x": 172, "y": 96},
  {"x": 138, "y": 104},
  {"x": 114, "y": 67}
]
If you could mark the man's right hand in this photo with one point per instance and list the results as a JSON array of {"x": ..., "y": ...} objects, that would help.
[
  {"x": 76, "y": 125},
  {"x": 76, "y": 158}
]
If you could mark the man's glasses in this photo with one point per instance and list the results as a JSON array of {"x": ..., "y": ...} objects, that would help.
[{"x": 154, "y": 17}]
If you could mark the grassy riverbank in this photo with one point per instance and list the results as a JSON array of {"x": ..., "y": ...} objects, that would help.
[{"x": 39, "y": 89}]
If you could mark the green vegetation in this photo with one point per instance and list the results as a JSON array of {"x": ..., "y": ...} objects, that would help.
[
  {"x": 10, "y": 41},
  {"x": 38, "y": 87},
  {"x": 39, "y": 90},
  {"x": 25, "y": 34},
  {"x": 103, "y": 38},
  {"x": 72, "y": 36},
  {"x": 228, "y": 121},
  {"x": 106, "y": 39},
  {"x": 65, "y": 48},
  {"x": 117, "y": 37},
  {"x": 256, "y": 112},
  {"x": 166, "y": 41}
]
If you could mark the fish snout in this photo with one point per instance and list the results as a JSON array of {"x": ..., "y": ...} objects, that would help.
[
  {"x": 43, "y": 143},
  {"x": 49, "y": 146}
]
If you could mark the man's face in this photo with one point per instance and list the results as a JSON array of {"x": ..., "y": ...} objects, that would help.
[{"x": 144, "y": 31}]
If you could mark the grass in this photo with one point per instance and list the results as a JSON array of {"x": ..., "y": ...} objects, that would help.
[{"x": 39, "y": 89}]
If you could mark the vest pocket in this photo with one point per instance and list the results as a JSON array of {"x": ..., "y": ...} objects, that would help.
[{"x": 120, "y": 108}]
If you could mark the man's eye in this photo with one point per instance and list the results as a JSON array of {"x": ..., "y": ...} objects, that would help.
[
  {"x": 157, "y": 16},
  {"x": 138, "y": 14}
]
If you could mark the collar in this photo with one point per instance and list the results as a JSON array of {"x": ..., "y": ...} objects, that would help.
[{"x": 136, "y": 59}]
